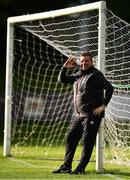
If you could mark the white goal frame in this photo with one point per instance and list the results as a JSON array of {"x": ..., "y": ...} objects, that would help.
[{"x": 101, "y": 6}]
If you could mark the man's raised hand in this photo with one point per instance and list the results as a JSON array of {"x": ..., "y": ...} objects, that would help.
[{"x": 70, "y": 63}]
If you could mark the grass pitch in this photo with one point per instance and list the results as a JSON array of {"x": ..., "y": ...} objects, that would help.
[{"x": 33, "y": 166}]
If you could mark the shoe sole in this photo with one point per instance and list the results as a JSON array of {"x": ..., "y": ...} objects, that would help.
[{"x": 62, "y": 172}]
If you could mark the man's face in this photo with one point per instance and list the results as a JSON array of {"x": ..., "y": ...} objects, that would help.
[{"x": 85, "y": 62}]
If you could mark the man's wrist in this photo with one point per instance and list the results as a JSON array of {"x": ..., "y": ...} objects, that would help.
[{"x": 63, "y": 68}]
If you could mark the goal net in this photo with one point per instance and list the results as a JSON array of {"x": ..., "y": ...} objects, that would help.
[
  {"x": 117, "y": 69},
  {"x": 41, "y": 107}
]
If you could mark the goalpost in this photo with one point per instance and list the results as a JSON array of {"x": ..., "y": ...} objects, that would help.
[{"x": 38, "y": 109}]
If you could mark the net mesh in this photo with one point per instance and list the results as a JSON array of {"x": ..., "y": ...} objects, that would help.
[
  {"x": 42, "y": 107},
  {"x": 117, "y": 127}
]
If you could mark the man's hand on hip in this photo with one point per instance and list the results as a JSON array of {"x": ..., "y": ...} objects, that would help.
[{"x": 99, "y": 110}]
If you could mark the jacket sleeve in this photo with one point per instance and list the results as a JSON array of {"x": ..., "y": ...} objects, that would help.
[
  {"x": 106, "y": 85},
  {"x": 65, "y": 78}
]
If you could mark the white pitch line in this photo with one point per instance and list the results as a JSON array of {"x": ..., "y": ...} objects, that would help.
[
  {"x": 115, "y": 177},
  {"x": 27, "y": 163}
]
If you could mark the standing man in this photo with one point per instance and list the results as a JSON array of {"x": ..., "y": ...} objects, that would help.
[{"x": 89, "y": 105}]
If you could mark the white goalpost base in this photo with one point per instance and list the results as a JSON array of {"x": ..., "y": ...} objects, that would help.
[{"x": 38, "y": 109}]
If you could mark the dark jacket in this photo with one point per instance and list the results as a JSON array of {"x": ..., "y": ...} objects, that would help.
[{"x": 89, "y": 86}]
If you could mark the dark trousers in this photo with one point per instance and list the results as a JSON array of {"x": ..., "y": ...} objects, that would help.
[{"x": 85, "y": 128}]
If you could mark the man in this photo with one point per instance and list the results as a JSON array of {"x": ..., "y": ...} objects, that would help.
[{"x": 89, "y": 105}]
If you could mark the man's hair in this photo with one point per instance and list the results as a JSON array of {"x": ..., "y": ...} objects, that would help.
[{"x": 86, "y": 54}]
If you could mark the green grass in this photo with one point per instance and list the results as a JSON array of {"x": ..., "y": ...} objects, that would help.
[{"x": 32, "y": 166}]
